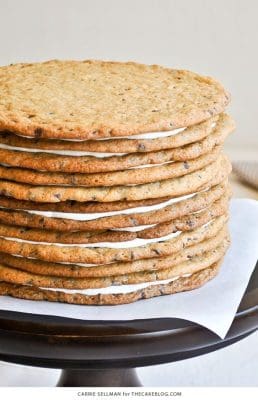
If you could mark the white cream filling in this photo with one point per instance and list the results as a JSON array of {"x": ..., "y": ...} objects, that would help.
[
  {"x": 150, "y": 165},
  {"x": 138, "y": 242},
  {"x": 128, "y": 244},
  {"x": 134, "y": 228},
  {"x": 84, "y": 264},
  {"x": 61, "y": 152},
  {"x": 116, "y": 289},
  {"x": 147, "y": 135},
  {"x": 154, "y": 135},
  {"x": 151, "y": 135},
  {"x": 92, "y": 216}
]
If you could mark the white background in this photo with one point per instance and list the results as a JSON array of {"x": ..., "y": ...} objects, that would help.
[{"x": 217, "y": 38}]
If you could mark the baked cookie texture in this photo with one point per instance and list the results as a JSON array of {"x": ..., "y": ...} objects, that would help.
[
  {"x": 96, "y": 99},
  {"x": 113, "y": 182}
]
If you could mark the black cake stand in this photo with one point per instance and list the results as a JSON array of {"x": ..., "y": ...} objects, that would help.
[{"x": 101, "y": 353}]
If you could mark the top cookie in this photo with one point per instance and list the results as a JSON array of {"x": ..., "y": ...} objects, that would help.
[{"x": 97, "y": 99}]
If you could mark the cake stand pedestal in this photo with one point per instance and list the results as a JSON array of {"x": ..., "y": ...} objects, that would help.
[{"x": 101, "y": 353}]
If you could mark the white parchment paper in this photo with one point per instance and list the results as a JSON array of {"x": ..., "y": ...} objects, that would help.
[{"x": 214, "y": 305}]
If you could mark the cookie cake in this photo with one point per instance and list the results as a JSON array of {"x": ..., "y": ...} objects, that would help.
[{"x": 113, "y": 183}]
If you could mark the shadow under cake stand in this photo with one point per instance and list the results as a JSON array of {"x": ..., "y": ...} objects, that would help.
[{"x": 105, "y": 353}]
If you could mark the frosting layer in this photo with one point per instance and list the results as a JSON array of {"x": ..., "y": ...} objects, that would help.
[{"x": 116, "y": 289}]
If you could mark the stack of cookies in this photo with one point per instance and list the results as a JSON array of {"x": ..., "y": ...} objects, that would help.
[{"x": 113, "y": 185}]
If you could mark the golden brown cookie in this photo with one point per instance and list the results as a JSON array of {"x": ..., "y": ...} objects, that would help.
[
  {"x": 105, "y": 255},
  {"x": 186, "y": 223},
  {"x": 87, "y": 207},
  {"x": 122, "y": 145},
  {"x": 134, "y": 176},
  {"x": 197, "y": 263},
  {"x": 180, "y": 285},
  {"x": 92, "y": 164},
  {"x": 171, "y": 187},
  {"x": 175, "y": 210},
  {"x": 78, "y": 271},
  {"x": 97, "y": 99}
]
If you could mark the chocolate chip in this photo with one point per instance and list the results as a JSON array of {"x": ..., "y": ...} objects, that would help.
[
  {"x": 186, "y": 165},
  {"x": 156, "y": 251},
  {"x": 141, "y": 147},
  {"x": 190, "y": 223}
]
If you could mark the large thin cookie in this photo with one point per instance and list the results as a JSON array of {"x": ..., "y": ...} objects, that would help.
[
  {"x": 11, "y": 216},
  {"x": 105, "y": 255},
  {"x": 205, "y": 260},
  {"x": 71, "y": 206},
  {"x": 133, "y": 176},
  {"x": 92, "y": 164},
  {"x": 180, "y": 285},
  {"x": 171, "y": 187},
  {"x": 79, "y": 271},
  {"x": 122, "y": 145},
  {"x": 183, "y": 224},
  {"x": 96, "y": 99}
]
